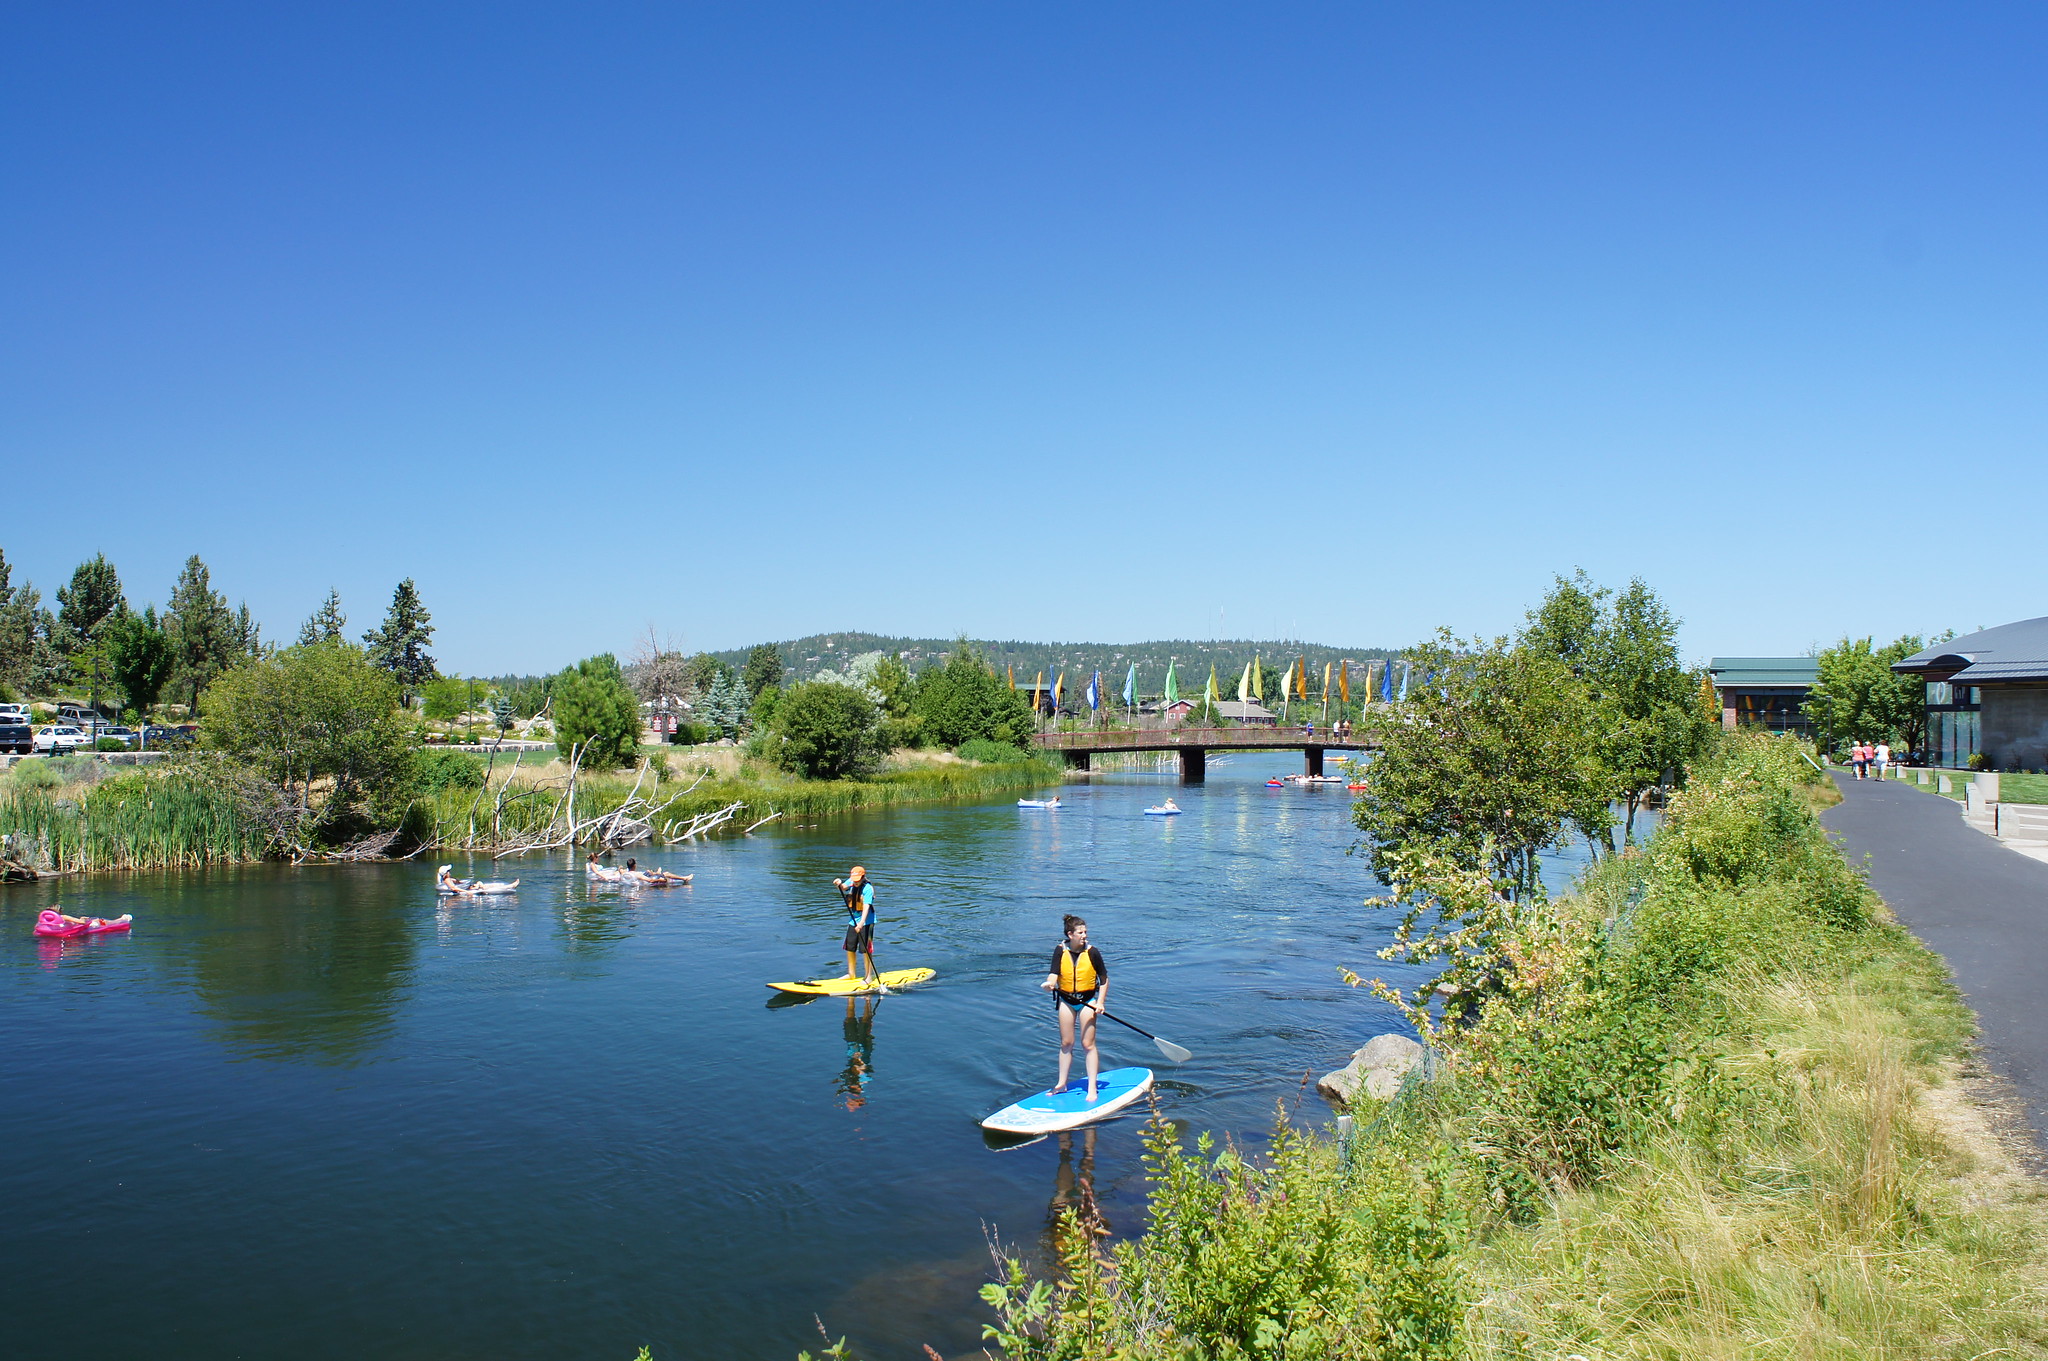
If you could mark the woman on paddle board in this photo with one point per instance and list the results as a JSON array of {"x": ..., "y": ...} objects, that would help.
[
  {"x": 1079, "y": 983},
  {"x": 860, "y": 919}
]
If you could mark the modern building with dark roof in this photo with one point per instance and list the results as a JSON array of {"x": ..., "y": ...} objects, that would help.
[
  {"x": 1987, "y": 693},
  {"x": 1765, "y": 692}
]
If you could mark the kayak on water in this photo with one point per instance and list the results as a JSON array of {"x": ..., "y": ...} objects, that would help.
[
  {"x": 1038, "y": 803},
  {"x": 1276, "y": 784},
  {"x": 1162, "y": 812},
  {"x": 841, "y": 987},
  {"x": 51, "y": 923},
  {"x": 1046, "y": 1113}
]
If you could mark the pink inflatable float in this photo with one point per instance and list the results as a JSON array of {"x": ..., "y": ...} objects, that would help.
[{"x": 51, "y": 923}]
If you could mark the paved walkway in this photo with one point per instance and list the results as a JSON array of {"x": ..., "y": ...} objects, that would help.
[{"x": 1982, "y": 907}]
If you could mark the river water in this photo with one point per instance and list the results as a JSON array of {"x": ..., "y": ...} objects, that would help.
[{"x": 311, "y": 1113}]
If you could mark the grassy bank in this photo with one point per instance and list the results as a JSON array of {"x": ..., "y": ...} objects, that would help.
[
  {"x": 1710, "y": 1106},
  {"x": 729, "y": 778}
]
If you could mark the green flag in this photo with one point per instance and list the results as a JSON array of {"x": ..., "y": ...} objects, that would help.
[{"x": 1172, "y": 686}]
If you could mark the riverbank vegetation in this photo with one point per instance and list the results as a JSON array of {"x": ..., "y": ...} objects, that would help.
[
  {"x": 1711, "y": 1103},
  {"x": 1706, "y": 1106}
]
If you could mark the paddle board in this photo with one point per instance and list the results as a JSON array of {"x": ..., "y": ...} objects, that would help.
[
  {"x": 839, "y": 987},
  {"x": 1046, "y": 1113}
]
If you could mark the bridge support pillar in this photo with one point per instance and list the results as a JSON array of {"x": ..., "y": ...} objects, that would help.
[
  {"x": 1194, "y": 763},
  {"x": 1076, "y": 760},
  {"x": 1312, "y": 760}
]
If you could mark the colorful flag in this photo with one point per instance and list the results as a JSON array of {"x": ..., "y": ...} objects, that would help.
[
  {"x": 1258, "y": 679},
  {"x": 1172, "y": 685},
  {"x": 1301, "y": 677},
  {"x": 1011, "y": 672},
  {"x": 1326, "y": 682},
  {"x": 1407, "y": 670},
  {"x": 1095, "y": 691},
  {"x": 1059, "y": 688},
  {"x": 1343, "y": 681},
  {"x": 1131, "y": 687},
  {"x": 1214, "y": 693},
  {"x": 1387, "y": 680},
  {"x": 1244, "y": 685}
]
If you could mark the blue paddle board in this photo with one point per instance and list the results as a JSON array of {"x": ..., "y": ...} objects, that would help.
[{"x": 1046, "y": 1113}]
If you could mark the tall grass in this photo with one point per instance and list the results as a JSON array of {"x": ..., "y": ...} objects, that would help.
[
  {"x": 1710, "y": 1111},
  {"x": 535, "y": 804},
  {"x": 136, "y": 821}
]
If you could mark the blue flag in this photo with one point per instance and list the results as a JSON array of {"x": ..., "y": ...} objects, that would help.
[
  {"x": 1387, "y": 680},
  {"x": 1131, "y": 686},
  {"x": 1095, "y": 691}
]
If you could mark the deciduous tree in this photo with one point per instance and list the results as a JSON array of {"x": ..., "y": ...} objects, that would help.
[
  {"x": 312, "y": 714},
  {"x": 141, "y": 658},
  {"x": 826, "y": 731},
  {"x": 1486, "y": 763}
]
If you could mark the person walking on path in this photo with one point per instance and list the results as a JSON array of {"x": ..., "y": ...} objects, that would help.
[
  {"x": 1881, "y": 757},
  {"x": 1858, "y": 760},
  {"x": 1079, "y": 983},
  {"x": 859, "y": 896}
]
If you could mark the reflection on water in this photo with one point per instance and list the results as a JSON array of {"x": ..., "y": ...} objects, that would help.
[{"x": 859, "y": 1033}]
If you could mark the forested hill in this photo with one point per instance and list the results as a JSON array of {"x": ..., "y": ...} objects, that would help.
[{"x": 804, "y": 657}]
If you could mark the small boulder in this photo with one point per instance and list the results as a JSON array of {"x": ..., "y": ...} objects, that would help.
[{"x": 1376, "y": 1070}]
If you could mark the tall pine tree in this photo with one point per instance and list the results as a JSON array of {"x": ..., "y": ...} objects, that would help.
[
  {"x": 206, "y": 636},
  {"x": 93, "y": 597},
  {"x": 399, "y": 645},
  {"x": 327, "y": 622}
]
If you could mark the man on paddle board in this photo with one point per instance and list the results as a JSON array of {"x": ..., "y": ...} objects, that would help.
[
  {"x": 1079, "y": 983},
  {"x": 860, "y": 919}
]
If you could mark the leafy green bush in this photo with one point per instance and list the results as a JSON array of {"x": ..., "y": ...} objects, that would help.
[
  {"x": 992, "y": 753},
  {"x": 440, "y": 770},
  {"x": 32, "y": 775},
  {"x": 826, "y": 731},
  {"x": 109, "y": 744}
]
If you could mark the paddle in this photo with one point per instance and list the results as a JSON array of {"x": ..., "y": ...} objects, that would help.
[{"x": 1166, "y": 1047}]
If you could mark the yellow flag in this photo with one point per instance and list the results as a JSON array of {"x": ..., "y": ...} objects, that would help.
[
  {"x": 1343, "y": 681},
  {"x": 1326, "y": 680}
]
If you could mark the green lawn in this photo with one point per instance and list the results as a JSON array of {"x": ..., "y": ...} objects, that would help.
[{"x": 2012, "y": 787}]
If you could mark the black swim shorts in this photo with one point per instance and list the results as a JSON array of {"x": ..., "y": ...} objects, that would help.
[{"x": 859, "y": 938}]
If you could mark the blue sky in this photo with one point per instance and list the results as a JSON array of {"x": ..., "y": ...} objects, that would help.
[{"x": 1048, "y": 321}]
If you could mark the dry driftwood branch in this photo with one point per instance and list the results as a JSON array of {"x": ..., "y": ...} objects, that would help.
[{"x": 762, "y": 823}]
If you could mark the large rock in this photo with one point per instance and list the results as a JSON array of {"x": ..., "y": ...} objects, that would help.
[{"x": 1376, "y": 1070}]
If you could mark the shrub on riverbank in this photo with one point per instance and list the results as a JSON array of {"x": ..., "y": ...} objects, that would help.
[{"x": 1703, "y": 1107}]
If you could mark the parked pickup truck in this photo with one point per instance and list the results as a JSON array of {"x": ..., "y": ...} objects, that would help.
[{"x": 16, "y": 735}]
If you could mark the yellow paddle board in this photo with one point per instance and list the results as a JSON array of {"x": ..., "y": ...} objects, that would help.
[{"x": 840, "y": 987}]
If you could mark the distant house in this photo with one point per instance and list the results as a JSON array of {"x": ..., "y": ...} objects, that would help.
[
  {"x": 1987, "y": 693},
  {"x": 1252, "y": 715},
  {"x": 1765, "y": 692}
]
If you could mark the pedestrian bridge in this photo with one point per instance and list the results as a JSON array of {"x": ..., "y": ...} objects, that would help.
[{"x": 1194, "y": 744}]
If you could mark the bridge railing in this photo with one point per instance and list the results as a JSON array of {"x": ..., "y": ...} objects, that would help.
[{"x": 1166, "y": 739}]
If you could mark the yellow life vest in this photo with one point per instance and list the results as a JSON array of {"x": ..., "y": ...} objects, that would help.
[{"x": 1077, "y": 972}]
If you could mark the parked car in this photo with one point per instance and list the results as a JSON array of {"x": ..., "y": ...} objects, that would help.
[
  {"x": 79, "y": 716},
  {"x": 156, "y": 737},
  {"x": 14, "y": 713},
  {"x": 59, "y": 737},
  {"x": 16, "y": 735},
  {"x": 125, "y": 736}
]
